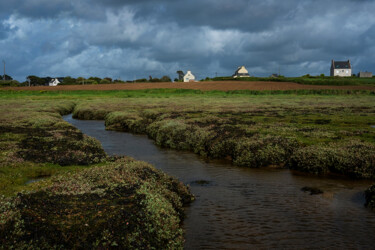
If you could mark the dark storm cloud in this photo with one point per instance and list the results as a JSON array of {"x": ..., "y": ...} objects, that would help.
[
  {"x": 130, "y": 38},
  {"x": 35, "y": 8}
]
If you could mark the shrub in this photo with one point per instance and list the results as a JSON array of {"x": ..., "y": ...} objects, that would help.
[
  {"x": 354, "y": 158},
  {"x": 315, "y": 159},
  {"x": 263, "y": 151},
  {"x": 125, "y": 121}
]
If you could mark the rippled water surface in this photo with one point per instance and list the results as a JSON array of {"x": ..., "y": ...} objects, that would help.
[{"x": 242, "y": 208}]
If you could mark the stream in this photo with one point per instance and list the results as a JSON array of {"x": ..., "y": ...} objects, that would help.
[{"x": 243, "y": 208}]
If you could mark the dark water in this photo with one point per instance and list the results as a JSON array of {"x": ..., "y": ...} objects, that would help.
[{"x": 239, "y": 208}]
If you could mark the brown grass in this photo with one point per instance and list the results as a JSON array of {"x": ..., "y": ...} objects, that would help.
[{"x": 205, "y": 86}]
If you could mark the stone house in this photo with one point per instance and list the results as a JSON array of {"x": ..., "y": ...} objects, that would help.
[
  {"x": 341, "y": 68},
  {"x": 365, "y": 74},
  {"x": 241, "y": 72},
  {"x": 189, "y": 77}
]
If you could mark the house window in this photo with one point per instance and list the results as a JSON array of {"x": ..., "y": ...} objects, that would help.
[
  {"x": 347, "y": 72},
  {"x": 342, "y": 70},
  {"x": 338, "y": 71}
]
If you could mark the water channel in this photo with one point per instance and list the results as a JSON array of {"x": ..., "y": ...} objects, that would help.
[{"x": 241, "y": 208}]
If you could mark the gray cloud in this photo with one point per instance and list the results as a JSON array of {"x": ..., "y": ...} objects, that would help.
[{"x": 132, "y": 38}]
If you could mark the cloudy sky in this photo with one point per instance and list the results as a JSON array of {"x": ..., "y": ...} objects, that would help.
[{"x": 130, "y": 39}]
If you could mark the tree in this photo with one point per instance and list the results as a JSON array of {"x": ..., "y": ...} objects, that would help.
[
  {"x": 7, "y": 78},
  {"x": 154, "y": 80},
  {"x": 165, "y": 79},
  {"x": 96, "y": 79},
  {"x": 69, "y": 81},
  {"x": 80, "y": 80},
  {"x": 105, "y": 81},
  {"x": 108, "y": 79},
  {"x": 36, "y": 81},
  {"x": 180, "y": 75}
]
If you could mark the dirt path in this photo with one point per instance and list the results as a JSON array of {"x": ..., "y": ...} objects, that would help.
[{"x": 224, "y": 86}]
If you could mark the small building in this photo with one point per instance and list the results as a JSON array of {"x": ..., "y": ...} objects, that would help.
[
  {"x": 189, "y": 77},
  {"x": 54, "y": 82},
  {"x": 341, "y": 68},
  {"x": 241, "y": 72},
  {"x": 274, "y": 76},
  {"x": 365, "y": 74}
]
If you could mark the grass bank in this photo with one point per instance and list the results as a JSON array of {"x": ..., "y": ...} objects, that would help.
[
  {"x": 86, "y": 200},
  {"x": 320, "y": 134}
]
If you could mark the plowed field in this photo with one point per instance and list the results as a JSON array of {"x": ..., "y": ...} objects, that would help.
[{"x": 205, "y": 86}]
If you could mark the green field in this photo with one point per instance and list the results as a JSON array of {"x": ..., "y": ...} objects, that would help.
[
  {"x": 319, "y": 132},
  {"x": 309, "y": 80}
]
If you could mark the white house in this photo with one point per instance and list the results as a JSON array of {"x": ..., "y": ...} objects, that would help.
[
  {"x": 189, "y": 77},
  {"x": 343, "y": 69},
  {"x": 241, "y": 72},
  {"x": 54, "y": 82}
]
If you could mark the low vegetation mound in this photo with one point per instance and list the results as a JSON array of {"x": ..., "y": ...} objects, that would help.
[
  {"x": 125, "y": 204},
  {"x": 63, "y": 147},
  {"x": 354, "y": 159}
]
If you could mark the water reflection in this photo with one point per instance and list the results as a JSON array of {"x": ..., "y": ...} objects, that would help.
[{"x": 244, "y": 208}]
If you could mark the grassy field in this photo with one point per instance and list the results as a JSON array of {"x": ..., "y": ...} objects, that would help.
[
  {"x": 317, "y": 131},
  {"x": 320, "y": 132},
  {"x": 308, "y": 80}
]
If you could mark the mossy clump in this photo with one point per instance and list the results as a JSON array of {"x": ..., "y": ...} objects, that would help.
[
  {"x": 264, "y": 151},
  {"x": 370, "y": 197},
  {"x": 354, "y": 158},
  {"x": 64, "y": 147},
  {"x": 125, "y": 204}
]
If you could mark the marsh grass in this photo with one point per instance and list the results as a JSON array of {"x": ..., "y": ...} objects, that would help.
[
  {"x": 252, "y": 130},
  {"x": 83, "y": 199}
]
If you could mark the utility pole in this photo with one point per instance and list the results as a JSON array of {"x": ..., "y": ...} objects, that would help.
[{"x": 4, "y": 70}]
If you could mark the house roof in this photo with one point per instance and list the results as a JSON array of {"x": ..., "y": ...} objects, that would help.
[
  {"x": 342, "y": 64},
  {"x": 245, "y": 72}
]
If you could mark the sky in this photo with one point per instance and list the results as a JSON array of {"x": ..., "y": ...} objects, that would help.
[{"x": 132, "y": 39}]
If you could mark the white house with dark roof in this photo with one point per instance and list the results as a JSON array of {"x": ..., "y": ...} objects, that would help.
[
  {"x": 189, "y": 77},
  {"x": 54, "y": 82},
  {"x": 241, "y": 72},
  {"x": 341, "y": 68}
]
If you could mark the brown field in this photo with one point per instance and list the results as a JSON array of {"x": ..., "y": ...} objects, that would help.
[{"x": 205, "y": 86}]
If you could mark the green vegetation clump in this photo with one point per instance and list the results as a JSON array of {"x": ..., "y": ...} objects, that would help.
[
  {"x": 354, "y": 159},
  {"x": 370, "y": 197},
  {"x": 124, "y": 204}
]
